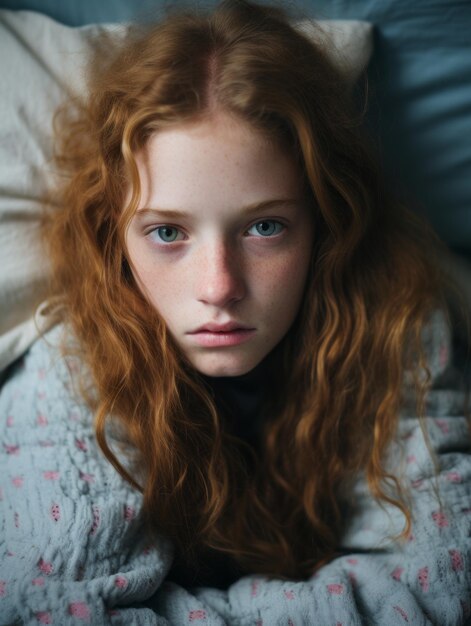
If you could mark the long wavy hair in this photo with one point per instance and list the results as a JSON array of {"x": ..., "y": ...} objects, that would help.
[{"x": 372, "y": 285}]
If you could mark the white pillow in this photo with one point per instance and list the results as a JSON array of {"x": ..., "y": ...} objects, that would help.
[{"x": 43, "y": 61}]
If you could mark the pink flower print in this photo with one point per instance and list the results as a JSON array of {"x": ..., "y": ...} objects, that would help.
[
  {"x": 290, "y": 622},
  {"x": 45, "y": 567},
  {"x": 411, "y": 458},
  {"x": 16, "y": 520},
  {"x": 112, "y": 612},
  {"x": 453, "y": 477},
  {"x": 443, "y": 426},
  {"x": 11, "y": 449},
  {"x": 38, "y": 582},
  {"x": 456, "y": 560},
  {"x": 17, "y": 481},
  {"x": 80, "y": 610},
  {"x": 397, "y": 573},
  {"x": 55, "y": 512},
  {"x": 335, "y": 589},
  {"x": 416, "y": 484},
  {"x": 96, "y": 520},
  {"x": 440, "y": 519},
  {"x": 81, "y": 444},
  {"x": 423, "y": 579},
  {"x": 254, "y": 588},
  {"x": 196, "y": 615},
  {"x": 50, "y": 475},
  {"x": 120, "y": 582},
  {"x": 402, "y": 613},
  {"x": 259, "y": 622},
  {"x": 41, "y": 420},
  {"x": 443, "y": 356},
  {"x": 3, "y": 591},
  {"x": 352, "y": 561},
  {"x": 411, "y": 537},
  {"x": 129, "y": 512},
  {"x": 89, "y": 478},
  {"x": 10, "y": 420},
  {"x": 289, "y": 595},
  {"x": 43, "y": 617}
]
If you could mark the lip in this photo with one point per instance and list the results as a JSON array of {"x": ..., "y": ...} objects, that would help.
[
  {"x": 221, "y": 335},
  {"x": 220, "y": 328}
]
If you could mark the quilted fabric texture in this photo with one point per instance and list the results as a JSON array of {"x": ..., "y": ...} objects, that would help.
[{"x": 72, "y": 549}]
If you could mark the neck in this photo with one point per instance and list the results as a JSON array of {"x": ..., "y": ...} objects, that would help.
[{"x": 243, "y": 401}]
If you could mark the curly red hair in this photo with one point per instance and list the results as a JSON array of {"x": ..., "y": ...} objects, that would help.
[{"x": 372, "y": 286}]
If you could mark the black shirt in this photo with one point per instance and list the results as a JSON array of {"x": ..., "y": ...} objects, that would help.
[{"x": 241, "y": 401}]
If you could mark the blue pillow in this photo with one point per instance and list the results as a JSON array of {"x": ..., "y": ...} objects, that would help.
[
  {"x": 81, "y": 12},
  {"x": 421, "y": 103},
  {"x": 421, "y": 91}
]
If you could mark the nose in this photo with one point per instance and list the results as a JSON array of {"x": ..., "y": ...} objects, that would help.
[{"x": 220, "y": 275}]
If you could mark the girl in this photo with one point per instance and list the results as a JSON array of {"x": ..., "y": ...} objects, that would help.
[{"x": 220, "y": 426}]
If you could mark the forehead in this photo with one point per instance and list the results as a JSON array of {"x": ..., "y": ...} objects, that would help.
[{"x": 214, "y": 161}]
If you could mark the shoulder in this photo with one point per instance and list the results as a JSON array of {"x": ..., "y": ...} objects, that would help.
[
  {"x": 43, "y": 395},
  {"x": 436, "y": 336},
  {"x": 50, "y": 462},
  {"x": 49, "y": 427},
  {"x": 72, "y": 527},
  {"x": 40, "y": 389}
]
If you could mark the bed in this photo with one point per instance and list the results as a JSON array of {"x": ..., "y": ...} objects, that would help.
[{"x": 418, "y": 62}]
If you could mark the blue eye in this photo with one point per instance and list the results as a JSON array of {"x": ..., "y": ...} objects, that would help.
[
  {"x": 266, "y": 228},
  {"x": 167, "y": 234}
]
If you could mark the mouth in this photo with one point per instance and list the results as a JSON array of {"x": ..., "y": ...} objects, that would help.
[
  {"x": 228, "y": 327},
  {"x": 221, "y": 335}
]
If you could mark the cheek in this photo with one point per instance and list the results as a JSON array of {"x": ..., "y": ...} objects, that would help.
[
  {"x": 158, "y": 283},
  {"x": 281, "y": 284},
  {"x": 163, "y": 289}
]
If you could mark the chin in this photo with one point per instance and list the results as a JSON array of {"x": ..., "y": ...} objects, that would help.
[{"x": 219, "y": 367}]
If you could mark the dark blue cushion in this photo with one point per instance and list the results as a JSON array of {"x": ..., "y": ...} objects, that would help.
[
  {"x": 80, "y": 12},
  {"x": 421, "y": 105}
]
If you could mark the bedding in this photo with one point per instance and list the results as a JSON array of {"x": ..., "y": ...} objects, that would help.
[
  {"x": 420, "y": 91},
  {"x": 47, "y": 58},
  {"x": 43, "y": 62},
  {"x": 420, "y": 105},
  {"x": 70, "y": 554}
]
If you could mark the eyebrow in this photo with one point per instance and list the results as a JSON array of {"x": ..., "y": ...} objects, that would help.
[{"x": 247, "y": 210}]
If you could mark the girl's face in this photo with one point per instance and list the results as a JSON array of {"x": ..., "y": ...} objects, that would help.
[{"x": 221, "y": 241}]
